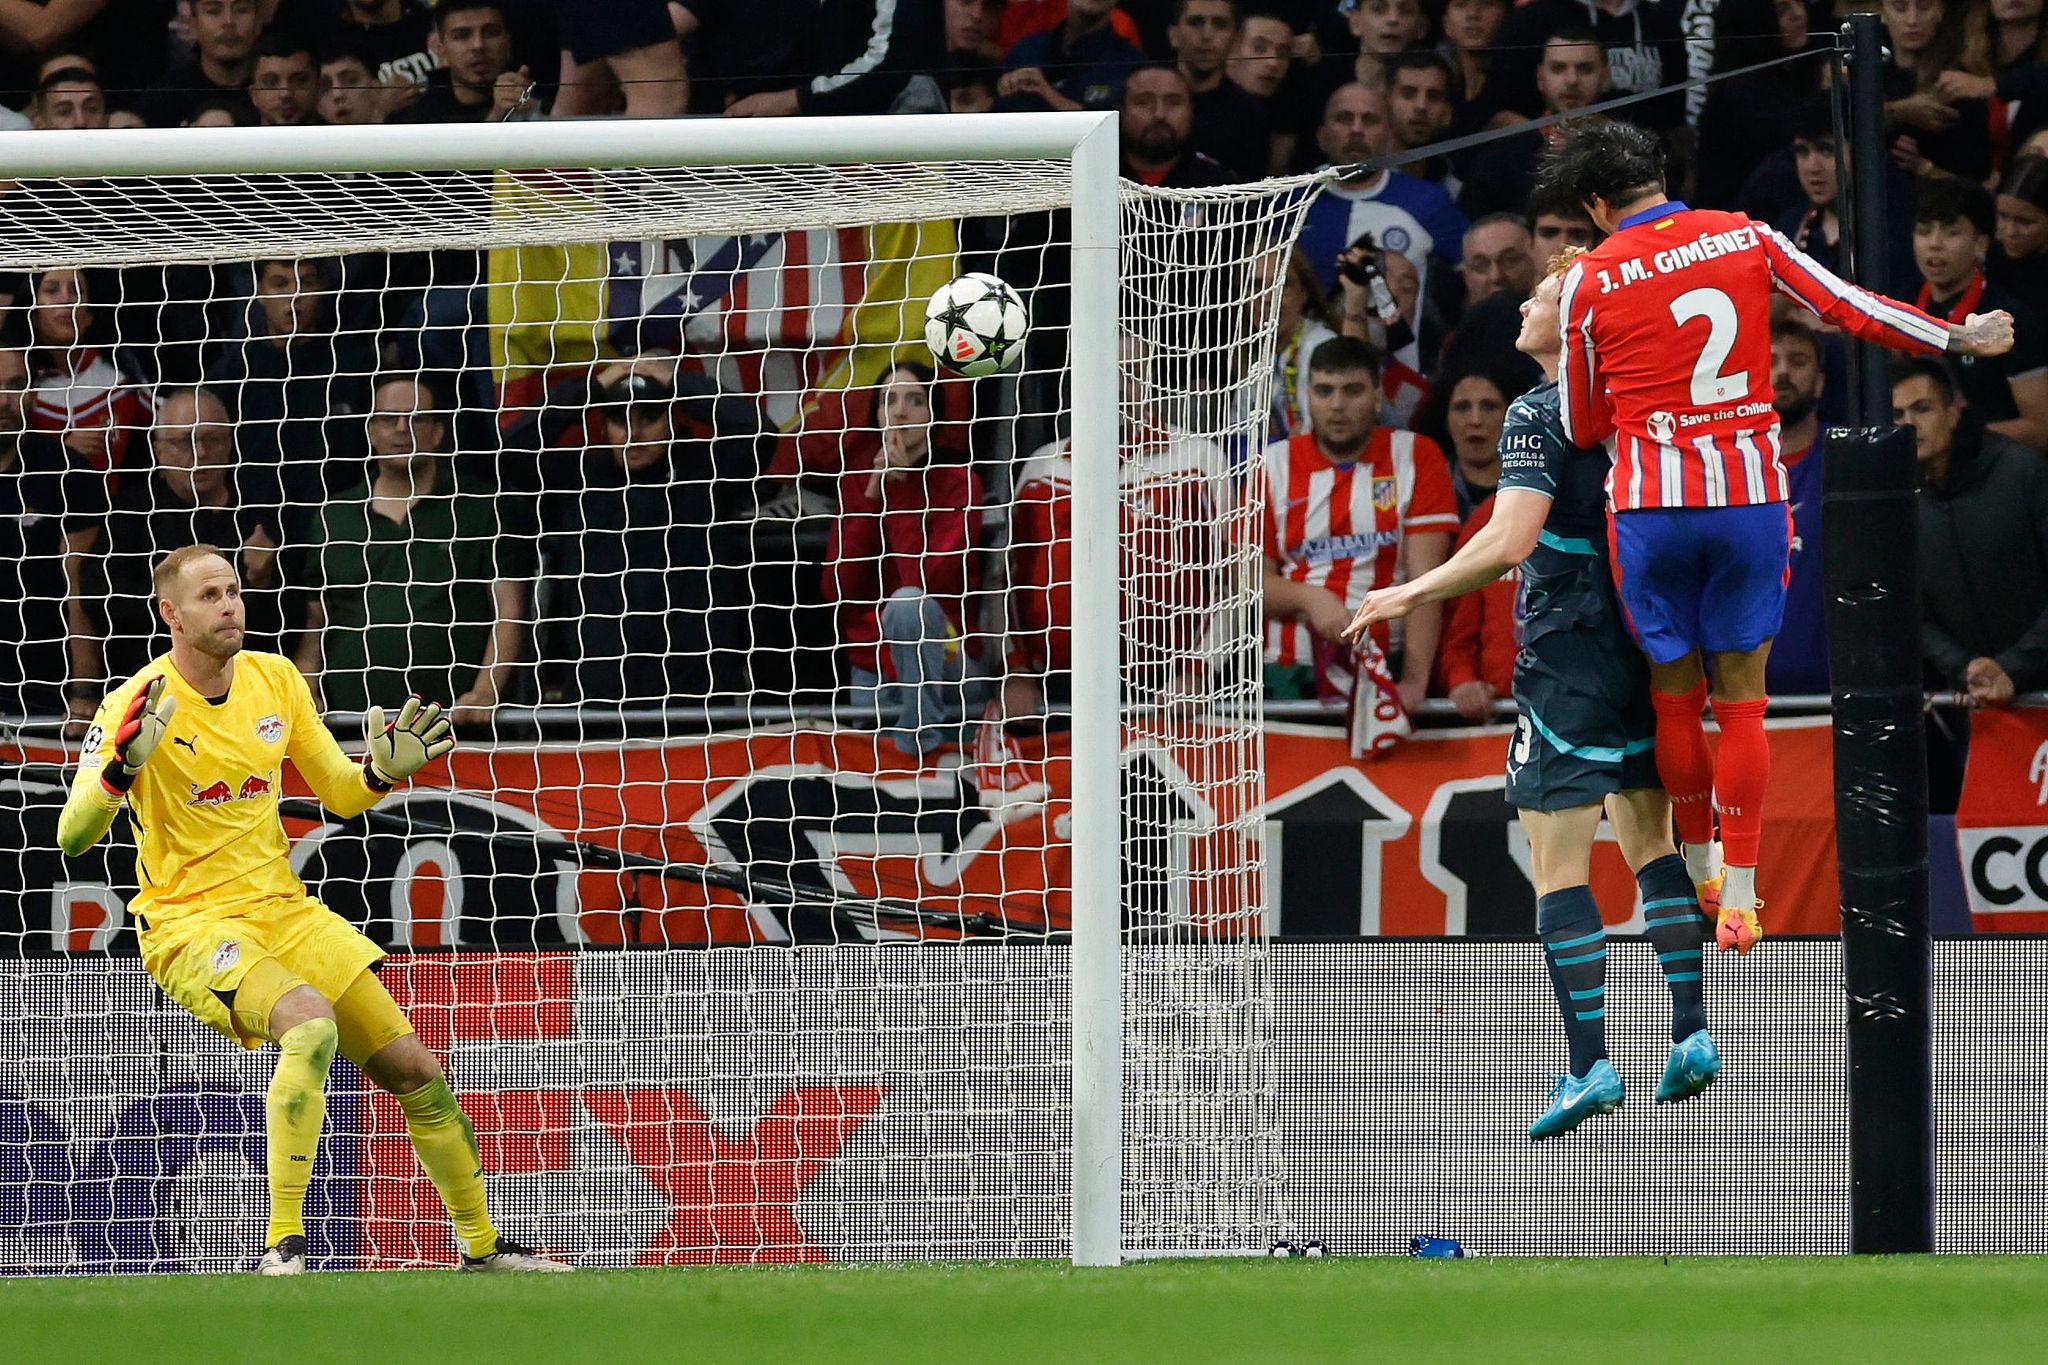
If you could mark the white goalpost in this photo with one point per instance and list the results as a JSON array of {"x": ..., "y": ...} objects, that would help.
[{"x": 853, "y": 850}]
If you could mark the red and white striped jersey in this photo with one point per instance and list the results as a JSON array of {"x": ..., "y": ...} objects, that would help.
[
  {"x": 1341, "y": 526},
  {"x": 1667, "y": 352},
  {"x": 1173, "y": 549},
  {"x": 90, "y": 393}
]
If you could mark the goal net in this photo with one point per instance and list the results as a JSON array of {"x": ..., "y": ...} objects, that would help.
[{"x": 852, "y": 847}]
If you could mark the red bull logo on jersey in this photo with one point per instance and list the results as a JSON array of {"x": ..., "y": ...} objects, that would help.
[
  {"x": 219, "y": 793},
  {"x": 270, "y": 729}
]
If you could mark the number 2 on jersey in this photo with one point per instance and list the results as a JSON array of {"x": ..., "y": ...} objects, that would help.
[{"x": 1709, "y": 385}]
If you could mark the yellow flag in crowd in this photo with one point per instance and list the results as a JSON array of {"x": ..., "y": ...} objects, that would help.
[{"x": 546, "y": 303}]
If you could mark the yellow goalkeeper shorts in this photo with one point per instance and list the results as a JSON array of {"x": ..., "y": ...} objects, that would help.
[{"x": 202, "y": 959}]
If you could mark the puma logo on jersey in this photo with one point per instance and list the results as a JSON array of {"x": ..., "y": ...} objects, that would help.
[{"x": 179, "y": 739}]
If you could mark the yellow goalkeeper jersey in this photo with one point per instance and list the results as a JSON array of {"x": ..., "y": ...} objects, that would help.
[{"x": 208, "y": 833}]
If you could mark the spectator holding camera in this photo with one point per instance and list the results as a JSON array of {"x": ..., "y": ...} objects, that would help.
[
  {"x": 1382, "y": 305},
  {"x": 1411, "y": 217}
]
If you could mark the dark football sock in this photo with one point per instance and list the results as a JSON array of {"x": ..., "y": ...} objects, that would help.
[
  {"x": 1575, "y": 951},
  {"x": 1676, "y": 929}
]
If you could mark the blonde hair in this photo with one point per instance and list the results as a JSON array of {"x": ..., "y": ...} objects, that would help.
[
  {"x": 1562, "y": 261},
  {"x": 166, "y": 576}
]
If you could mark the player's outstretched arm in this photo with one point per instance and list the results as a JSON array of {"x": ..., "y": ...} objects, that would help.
[
  {"x": 116, "y": 748},
  {"x": 1857, "y": 311},
  {"x": 1504, "y": 542},
  {"x": 348, "y": 787}
]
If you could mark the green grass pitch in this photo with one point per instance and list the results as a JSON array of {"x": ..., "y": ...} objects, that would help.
[{"x": 1643, "y": 1311}]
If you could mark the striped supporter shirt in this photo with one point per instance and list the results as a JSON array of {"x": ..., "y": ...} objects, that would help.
[
  {"x": 1667, "y": 352},
  {"x": 1340, "y": 526}
]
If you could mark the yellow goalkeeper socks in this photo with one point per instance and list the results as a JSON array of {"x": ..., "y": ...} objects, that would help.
[
  {"x": 446, "y": 1143},
  {"x": 294, "y": 1111}
]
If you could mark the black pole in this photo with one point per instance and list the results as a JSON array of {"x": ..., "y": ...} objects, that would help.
[
  {"x": 1867, "y": 180},
  {"x": 1870, "y": 535}
]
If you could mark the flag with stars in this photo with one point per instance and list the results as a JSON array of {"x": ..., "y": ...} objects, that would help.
[
  {"x": 783, "y": 315},
  {"x": 764, "y": 313}
]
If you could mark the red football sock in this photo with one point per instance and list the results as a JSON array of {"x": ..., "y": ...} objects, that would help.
[
  {"x": 1685, "y": 763},
  {"x": 1739, "y": 778}
]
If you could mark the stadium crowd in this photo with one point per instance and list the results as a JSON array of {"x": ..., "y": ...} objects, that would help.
[{"x": 339, "y": 433}]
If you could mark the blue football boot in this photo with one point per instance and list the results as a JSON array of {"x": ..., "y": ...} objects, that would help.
[
  {"x": 1574, "y": 1099},
  {"x": 1692, "y": 1066}
]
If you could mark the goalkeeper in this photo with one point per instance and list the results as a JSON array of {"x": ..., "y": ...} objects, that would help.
[
  {"x": 1586, "y": 738},
  {"x": 195, "y": 745}
]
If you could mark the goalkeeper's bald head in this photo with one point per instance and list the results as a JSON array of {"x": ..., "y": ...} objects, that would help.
[{"x": 199, "y": 597}]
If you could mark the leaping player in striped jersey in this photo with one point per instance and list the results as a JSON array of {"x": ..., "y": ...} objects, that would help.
[{"x": 1667, "y": 359}]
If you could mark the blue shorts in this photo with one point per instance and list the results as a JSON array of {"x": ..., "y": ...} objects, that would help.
[{"x": 1706, "y": 578}]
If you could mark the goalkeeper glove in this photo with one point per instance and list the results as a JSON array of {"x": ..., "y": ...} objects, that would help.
[
  {"x": 142, "y": 728},
  {"x": 398, "y": 750}
]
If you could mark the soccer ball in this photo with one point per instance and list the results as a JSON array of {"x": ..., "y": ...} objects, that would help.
[{"x": 975, "y": 325}]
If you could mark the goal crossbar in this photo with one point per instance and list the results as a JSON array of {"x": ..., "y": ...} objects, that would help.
[{"x": 654, "y": 143}]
